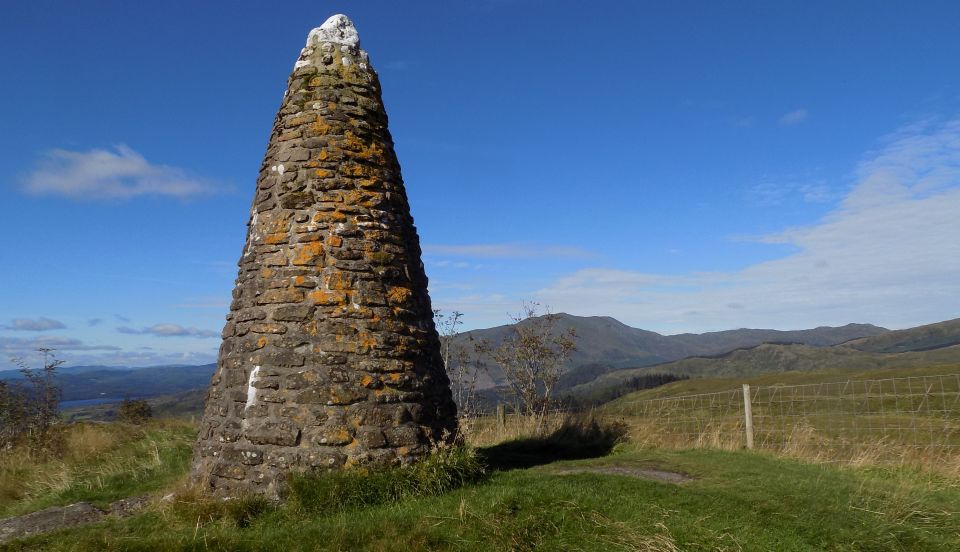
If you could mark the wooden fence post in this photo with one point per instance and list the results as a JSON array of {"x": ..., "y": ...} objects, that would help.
[
  {"x": 501, "y": 417},
  {"x": 748, "y": 415}
]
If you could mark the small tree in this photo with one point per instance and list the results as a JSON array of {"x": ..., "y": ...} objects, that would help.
[
  {"x": 134, "y": 411},
  {"x": 532, "y": 358},
  {"x": 458, "y": 363},
  {"x": 13, "y": 414},
  {"x": 34, "y": 408}
]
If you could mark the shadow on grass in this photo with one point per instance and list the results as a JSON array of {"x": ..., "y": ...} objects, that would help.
[{"x": 577, "y": 438}]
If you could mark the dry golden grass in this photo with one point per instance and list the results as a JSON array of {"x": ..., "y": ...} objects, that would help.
[
  {"x": 802, "y": 442},
  {"x": 485, "y": 431},
  {"x": 103, "y": 458}
]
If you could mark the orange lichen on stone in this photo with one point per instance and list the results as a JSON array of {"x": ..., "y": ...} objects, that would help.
[
  {"x": 308, "y": 253},
  {"x": 266, "y": 273},
  {"x": 275, "y": 239},
  {"x": 280, "y": 296},
  {"x": 368, "y": 151},
  {"x": 320, "y": 126},
  {"x": 398, "y": 295},
  {"x": 322, "y": 173},
  {"x": 301, "y": 119},
  {"x": 367, "y": 380},
  {"x": 334, "y": 241},
  {"x": 339, "y": 281},
  {"x": 354, "y": 169},
  {"x": 327, "y": 298},
  {"x": 365, "y": 342},
  {"x": 262, "y": 342},
  {"x": 323, "y": 155},
  {"x": 268, "y": 327}
]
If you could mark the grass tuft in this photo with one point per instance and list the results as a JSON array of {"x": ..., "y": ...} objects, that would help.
[{"x": 443, "y": 470}]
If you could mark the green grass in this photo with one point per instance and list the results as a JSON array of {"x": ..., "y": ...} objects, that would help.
[
  {"x": 98, "y": 463},
  {"x": 736, "y": 501}
]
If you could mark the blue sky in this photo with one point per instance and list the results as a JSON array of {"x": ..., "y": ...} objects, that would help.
[{"x": 695, "y": 166}]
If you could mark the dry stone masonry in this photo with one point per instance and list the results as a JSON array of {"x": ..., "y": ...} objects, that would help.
[{"x": 330, "y": 357}]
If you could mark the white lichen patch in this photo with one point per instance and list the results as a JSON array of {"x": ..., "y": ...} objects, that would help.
[
  {"x": 280, "y": 169},
  {"x": 338, "y": 29}
]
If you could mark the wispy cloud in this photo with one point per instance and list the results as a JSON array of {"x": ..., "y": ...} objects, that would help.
[
  {"x": 507, "y": 250},
  {"x": 34, "y": 325},
  {"x": 168, "y": 330},
  {"x": 94, "y": 322},
  {"x": 788, "y": 190},
  {"x": 793, "y": 117},
  {"x": 17, "y": 346},
  {"x": 99, "y": 174},
  {"x": 887, "y": 254}
]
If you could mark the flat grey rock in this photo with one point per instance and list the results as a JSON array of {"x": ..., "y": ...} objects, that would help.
[{"x": 51, "y": 519}]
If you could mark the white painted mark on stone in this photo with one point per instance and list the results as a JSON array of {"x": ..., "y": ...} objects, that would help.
[
  {"x": 251, "y": 390},
  {"x": 280, "y": 169},
  {"x": 346, "y": 61}
]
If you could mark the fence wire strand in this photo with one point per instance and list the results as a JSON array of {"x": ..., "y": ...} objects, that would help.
[{"x": 903, "y": 412}]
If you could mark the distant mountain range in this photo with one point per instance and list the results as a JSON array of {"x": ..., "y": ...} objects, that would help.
[
  {"x": 928, "y": 345},
  {"x": 605, "y": 344},
  {"x": 609, "y": 353},
  {"x": 101, "y": 382}
]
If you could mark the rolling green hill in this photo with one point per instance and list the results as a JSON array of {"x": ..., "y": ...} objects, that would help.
[
  {"x": 605, "y": 345},
  {"x": 921, "y": 338},
  {"x": 925, "y": 346}
]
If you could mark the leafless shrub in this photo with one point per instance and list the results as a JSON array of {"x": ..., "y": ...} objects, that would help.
[
  {"x": 532, "y": 358},
  {"x": 29, "y": 409}
]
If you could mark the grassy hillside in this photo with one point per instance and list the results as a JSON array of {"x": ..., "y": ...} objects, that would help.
[
  {"x": 98, "y": 463},
  {"x": 605, "y": 345},
  {"x": 777, "y": 359},
  {"x": 921, "y": 338},
  {"x": 724, "y": 501},
  {"x": 695, "y": 386}
]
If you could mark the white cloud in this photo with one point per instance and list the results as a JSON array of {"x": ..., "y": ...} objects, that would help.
[
  {"x": 169, "y": 330},
  {"x": 793, "y": 117},
  {"x": 104, "y": 174},
  {"x": 888, "y": 254},
  {"x": 507, "y": 250},
  {"x": 16, "y": 346},
  {"x": 34, "y": 325}
]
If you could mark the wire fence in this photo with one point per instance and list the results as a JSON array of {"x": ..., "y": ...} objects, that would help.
[{"x": 920, "y": 412}]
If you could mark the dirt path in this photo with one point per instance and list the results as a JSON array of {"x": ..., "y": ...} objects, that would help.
[{"x": 640, "y": 473}]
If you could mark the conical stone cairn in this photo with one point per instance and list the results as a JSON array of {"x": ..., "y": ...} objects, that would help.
[{"x": 330, "y": 357}]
